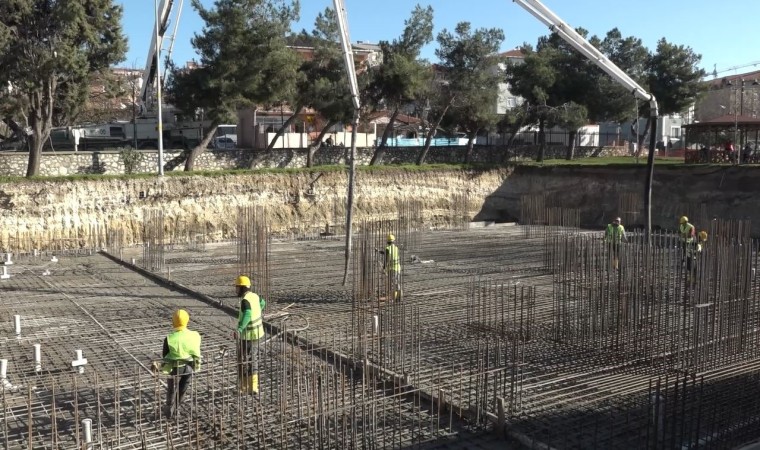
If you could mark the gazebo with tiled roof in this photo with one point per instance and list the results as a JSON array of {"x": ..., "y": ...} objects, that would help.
[{"x": 745, "y": 128}]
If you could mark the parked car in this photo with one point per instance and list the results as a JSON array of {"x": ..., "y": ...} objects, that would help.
[{"x": 223, "y": 143}]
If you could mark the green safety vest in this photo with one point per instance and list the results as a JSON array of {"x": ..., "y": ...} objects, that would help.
[
  {"x": 391, "y": 257},
  {"x": 614, "y": 234},
  {"x": 686, "y": 230},
  {"x": 184, "y": 348},
  {"x": 255, "y": 328}
]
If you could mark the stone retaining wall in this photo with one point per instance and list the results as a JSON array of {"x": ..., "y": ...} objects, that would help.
[{"x": 111, "y": 161}]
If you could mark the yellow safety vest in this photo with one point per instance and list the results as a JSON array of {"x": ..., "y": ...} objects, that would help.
[
  {"x": 184, "y": 348},
  {"x": 255, "y": 328},
  {"x": 392, "y": 261}
]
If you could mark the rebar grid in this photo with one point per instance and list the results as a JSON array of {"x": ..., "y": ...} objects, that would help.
[
  {"x": 459, "y": 211},
  {"x": 630, "y": 208},
  {"x": 253, "y": 240},
  {"x": 304, "y": 403},
  {"x": 154, "y": 240},
  {"x": 576, "y": 394},
  {"x": 652, "y": 308}
]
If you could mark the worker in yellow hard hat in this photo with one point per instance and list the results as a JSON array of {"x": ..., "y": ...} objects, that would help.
[
  {"x": 250, "y": 329},
  {"x": 181, "y": 357},
  {"x": 693, "y": 251},
  {"x": 392, "y": 267},
  {"x": 614, "y": 235},
  {"x": 687, "y": 234}
]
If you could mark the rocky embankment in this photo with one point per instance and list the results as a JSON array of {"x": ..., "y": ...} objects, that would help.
[
  {"x": 47, "y": 214},
  {"x": 87, "y": 213}
]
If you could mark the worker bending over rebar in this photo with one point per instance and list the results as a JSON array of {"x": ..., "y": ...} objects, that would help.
[
  {"x": 181, "y": 357},
  {"x": 250, "y": 329},
  {"x": 693, "y": 251}
]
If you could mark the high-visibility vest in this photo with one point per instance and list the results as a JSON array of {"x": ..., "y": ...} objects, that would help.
[
  {"x": 614, "y": 234},
  {"x": 255, "y": 328},
  {"x": 687, "y": 232},
  {"x": 184, "y": 348},
  {"x": 391, "y": 256}
]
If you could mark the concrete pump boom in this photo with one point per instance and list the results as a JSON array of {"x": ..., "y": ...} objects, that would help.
[
  {"x": 578, "y": 42},
  {"x": 150, "y": 71},
  {"x": 348, "y": 58}
]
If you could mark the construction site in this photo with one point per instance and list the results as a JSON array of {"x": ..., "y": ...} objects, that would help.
[{"x": 500, "y": 335}]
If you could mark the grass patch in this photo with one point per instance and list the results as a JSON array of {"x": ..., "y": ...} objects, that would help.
[{"x": 604, "y": 161}]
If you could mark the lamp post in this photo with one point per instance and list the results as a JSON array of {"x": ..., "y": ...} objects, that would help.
[
  {"x": 160, "y": 127},
  {"x": 736, "y": 109}
]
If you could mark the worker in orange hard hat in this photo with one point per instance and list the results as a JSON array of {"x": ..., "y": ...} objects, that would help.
[
  {"x": 181, "y": 357},
  {"x": 250, "y": 329}
]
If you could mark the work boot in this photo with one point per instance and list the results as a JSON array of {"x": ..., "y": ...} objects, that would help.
[
  {"x": 168, "y": 411},
  {"x": 245, "y": 384},
  {"x": 255, "y": 384}
]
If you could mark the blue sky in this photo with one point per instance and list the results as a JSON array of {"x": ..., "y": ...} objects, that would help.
[{"x": 724, "y": 33}]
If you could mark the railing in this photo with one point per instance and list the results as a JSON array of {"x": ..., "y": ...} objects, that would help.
[{"x": 720, "y": 157}]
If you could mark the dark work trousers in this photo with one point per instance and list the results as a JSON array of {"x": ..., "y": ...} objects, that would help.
[
  {"x": 247, "y": 357},
  {"x": 184, "y": 374}
]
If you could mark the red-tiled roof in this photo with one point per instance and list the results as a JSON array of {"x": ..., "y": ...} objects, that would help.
[
  {"x": 515, "y": 53},
  {"x": 748, "y": 77}
]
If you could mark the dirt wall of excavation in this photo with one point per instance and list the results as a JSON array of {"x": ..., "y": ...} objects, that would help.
[
  {"x": 85, "y": 212},
  {"x": 52, "y": 213}
]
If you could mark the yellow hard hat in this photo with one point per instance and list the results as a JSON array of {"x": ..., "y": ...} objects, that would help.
[
  {"x": 180, "y": 319},
  {"x": 703, "y": 235},
  {"x": 391, "y": 238},
  {"x": 683, "y": 219},
  {"x": 243, "y": 280}
]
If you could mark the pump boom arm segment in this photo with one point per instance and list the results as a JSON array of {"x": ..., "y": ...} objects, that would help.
[{"x": 149, "y": 73}]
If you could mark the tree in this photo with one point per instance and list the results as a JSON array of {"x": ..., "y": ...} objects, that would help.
[
  {"x": 402, "y": 76},
  {"x": 534, "y": 80},
  {"x": 674, "y": 78},
  {"x": 244, "y": 61},
  {"x": 475, "y": 111},
  {"x": 49, "y": 51},
  {"x": 609, "y": 101},
  {"x": 467, "y": 64},
  {"x": 510, "y": 123},
  {"x": 324, "y": 86},
  {"x": 571, "y": 116}
]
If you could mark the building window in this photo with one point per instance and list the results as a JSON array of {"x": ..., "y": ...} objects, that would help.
[{"x": 675, "y": 132}]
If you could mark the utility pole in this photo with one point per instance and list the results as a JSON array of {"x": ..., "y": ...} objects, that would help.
[
  {"x": 134, "y": 111},
  {"x": 160, "y": 127}
]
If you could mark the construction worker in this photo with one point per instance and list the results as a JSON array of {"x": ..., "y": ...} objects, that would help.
[
  {"x": 687, "y": 233},
  {"x": 392, "y": 266},
  {"x": 181, "y": 357},
  {"x": 250, "y": 328},
  {"x": 693, "y": 250},
  {"x": 613, "y": 236}
]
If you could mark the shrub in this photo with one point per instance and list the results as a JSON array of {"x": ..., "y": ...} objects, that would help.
[{"x": 131, "y": 158}]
